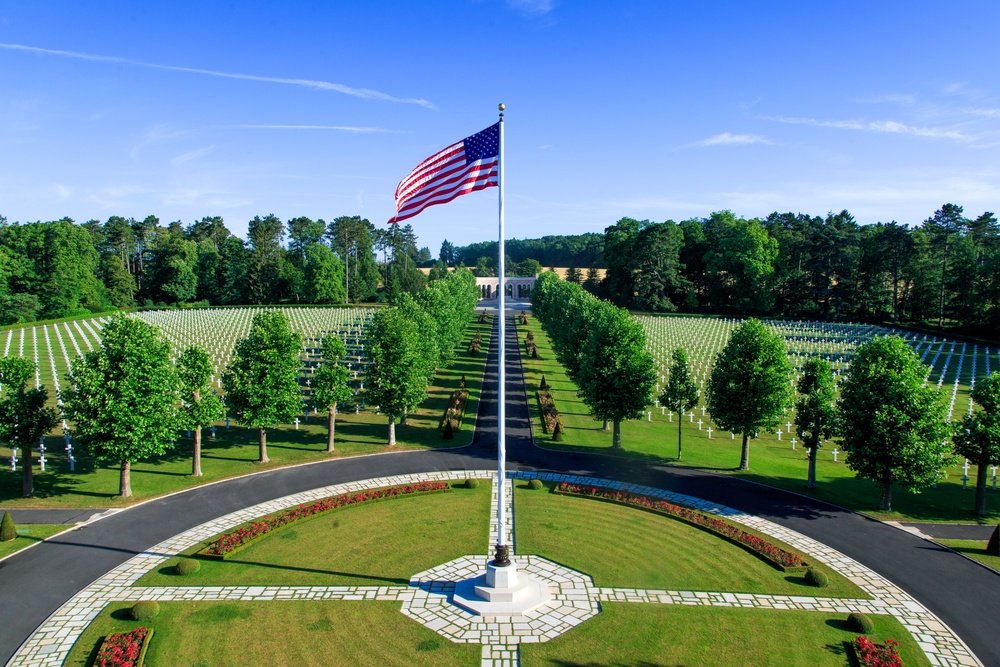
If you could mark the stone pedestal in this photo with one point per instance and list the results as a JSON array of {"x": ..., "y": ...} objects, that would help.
[{"x": 501, "y": 591}]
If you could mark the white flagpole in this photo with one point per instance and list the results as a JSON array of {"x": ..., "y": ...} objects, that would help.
[{"x": 501, "y": 557}]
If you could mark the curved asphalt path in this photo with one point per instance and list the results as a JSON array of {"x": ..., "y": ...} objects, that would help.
[{"x": 34, "y": 583}]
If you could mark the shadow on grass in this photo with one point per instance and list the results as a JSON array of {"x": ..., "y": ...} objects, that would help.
[{"x": 292, "y": 568}]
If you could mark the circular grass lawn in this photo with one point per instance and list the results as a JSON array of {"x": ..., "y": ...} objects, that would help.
[{"x": 387, "y": 542}]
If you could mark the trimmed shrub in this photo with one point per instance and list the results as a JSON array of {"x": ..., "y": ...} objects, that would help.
[
  {"x": 993, "y": 546},
  {"x": 535, "y": 484},
  {"x": 8, "y": 531},
  {"x": 544, "y": 384},
  {"x": 859, "y": 622},
  {"x": 550, "y": 416},
  {"x": 471, "y": 483},
  {"x": 187, "y": 567},
  {"x": 534, "y": 352},
  {"x": 817, "y": 578},
  {"x": 144, "y": 610},
  {"x": 557, "y": 434},
  {"x": 461, "y": 383},
  {"x": 449, "y": 432}
]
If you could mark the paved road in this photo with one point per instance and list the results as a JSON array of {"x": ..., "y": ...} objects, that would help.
[{"x": 962, "y": 593}]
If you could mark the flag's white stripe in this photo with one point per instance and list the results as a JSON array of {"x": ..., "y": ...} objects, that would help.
[
  {"x": 440, "y": 195},
  {"x": 443, "y": 171},
  {"x": 477, "y": 169},
  {"x": 430, "y": 164}
]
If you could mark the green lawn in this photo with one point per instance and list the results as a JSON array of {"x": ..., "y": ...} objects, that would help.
[
  {"x": 363, "y": 545},
  {"x": 624, "y": 547},
  {"x": 975, "y": 549},
  {"x": 28, "y": 534},
  {"x": 245, "y": 634},
  {"x": 649, "y": 634},
  {"x": 234, "y": 451},
  {"x": 772, "y": 461}
]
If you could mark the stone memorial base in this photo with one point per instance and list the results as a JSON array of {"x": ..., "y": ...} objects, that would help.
[{"x": 501, "y": 591}]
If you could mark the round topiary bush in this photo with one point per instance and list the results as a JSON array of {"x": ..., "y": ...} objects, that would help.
[
  {"x": 144, "y": 610},
  {"x": 471, "y": 483},
  {"x": 535, "y": 484},
  {"x": 187, "y": 567},
  {"x": 859, "y": 622},
  {"x": 817, "y": 578}
]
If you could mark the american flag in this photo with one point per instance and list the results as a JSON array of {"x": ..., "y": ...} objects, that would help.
[{"x": 469, "y": 165}]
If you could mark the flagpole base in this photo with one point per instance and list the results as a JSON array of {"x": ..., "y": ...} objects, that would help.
[{"x": 501, "y": 591}]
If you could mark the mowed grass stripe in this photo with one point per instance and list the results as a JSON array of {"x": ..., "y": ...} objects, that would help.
[
  {"x": 647, "y": 634},
  {"x": 373, "y": 544},
  {"x": 262, "y": 634},
  {"x": 632, "y": 548}
]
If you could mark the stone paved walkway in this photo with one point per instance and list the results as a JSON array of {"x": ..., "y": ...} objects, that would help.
[{"x": 575, "y": 598}]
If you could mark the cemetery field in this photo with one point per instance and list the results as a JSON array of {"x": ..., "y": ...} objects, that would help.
[
  {"x": 230, "y": 450},
  {"x": 974, "y": 549},
  {"x": 385, "y": 543},
  {"x": 28, "y": 534},
  {"x": 773, "y": 460}
]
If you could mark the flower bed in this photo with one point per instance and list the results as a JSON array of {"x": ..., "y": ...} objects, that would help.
[
  {"x": 776, "y": 556},
  {"x": 550, "y": 416},
  {"x": 228, "y": 544},
  {"x": 125, "y": 649},
  {"x": 455, "y": 410},
  {"x": 872, "y": 654}
]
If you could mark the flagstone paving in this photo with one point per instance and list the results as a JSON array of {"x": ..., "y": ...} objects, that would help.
[{"x": 426, "y": 598}]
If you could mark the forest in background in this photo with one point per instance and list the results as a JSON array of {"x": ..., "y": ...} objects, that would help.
[{"x": 944, "y": 272}]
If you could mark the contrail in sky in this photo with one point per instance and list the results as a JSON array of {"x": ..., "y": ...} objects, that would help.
[{"x": 363, "y": 93}]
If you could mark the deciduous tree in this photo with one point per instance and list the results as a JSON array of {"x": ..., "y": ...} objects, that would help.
[
  {"x": 815, "y": 411},
  {"x": 977, "y": 437},
  {"x": 122, "y": 400},
  {"x": 329, "y": 385},
  {"x": 260, "y": 383},
  {"x": 891, "y": 424},
  {"x": 200, "y": 406},
  {"x": 680, "y": 394},
  {"x": 23, "y": 415},
  {"x": 750, "y": 387},
  {"x": 395, "y": 379}
]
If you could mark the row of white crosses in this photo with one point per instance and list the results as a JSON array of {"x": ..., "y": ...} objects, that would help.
[
  {"x": 836, "y": 342},
  {"x": 215, "y": 330}
]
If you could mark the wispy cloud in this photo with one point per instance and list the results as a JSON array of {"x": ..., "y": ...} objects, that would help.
[
  {"x": 363, "y": 93},
  {"x": 885, "y": 126},
  {"x": 985, "y": 113},
  {"x": 339, "y": 128},
  {"x": 191, "y": 155},
  {"x": 532, "y": 6},
  {"x": 544, "y": 147},
  {"x": 730, "y": 139},
  {"x": 158, "y": 134}
]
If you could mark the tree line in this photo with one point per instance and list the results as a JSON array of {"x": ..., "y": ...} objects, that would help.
[
  {"x": 891, "y": 424},
  {"x": 946, "y": 270},
  {"x": 128, "y": 399},
  {"x": 60, "y": 268}
]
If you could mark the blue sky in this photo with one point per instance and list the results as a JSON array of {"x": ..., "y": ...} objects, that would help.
[{"x": 659, "y": 110}]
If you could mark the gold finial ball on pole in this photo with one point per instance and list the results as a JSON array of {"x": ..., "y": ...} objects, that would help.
[{"x": 501, "y": 106}]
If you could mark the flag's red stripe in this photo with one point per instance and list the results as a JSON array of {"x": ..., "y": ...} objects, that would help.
[
  {"x": 440, "y": 192},
  {"x": 444, "y": 181},
  {"x": 443, "y": 172},
  {"x": 433, "y": 192},
  {"x": 480, "y": 186},
  {"x": 431, "y": 164}
]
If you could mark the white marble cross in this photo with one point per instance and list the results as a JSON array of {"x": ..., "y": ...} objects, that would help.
[
  {"x": 793, "y": 443},
  {"x": 779, "y": 434},
  {"x": 691, "y": 420},
  {"x": 709, "y": 432},
  {"x": 835, "y": 452},
  {"x": 699, "y": 424},
  {"x": 670, "y": 416},
  {"x": 649, "y": 416},
  {"x": 296, "y": 423}
]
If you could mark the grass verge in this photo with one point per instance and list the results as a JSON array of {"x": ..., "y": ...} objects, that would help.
[
  {"x": 975, "y": 549},
  {"x": 696, "y": 636},
  {"x": 309, "y": 633},
  {"x": 30, "y": 533},
  {"x": 678, "y": 556},
  {"x": 361, "y": 545}
]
